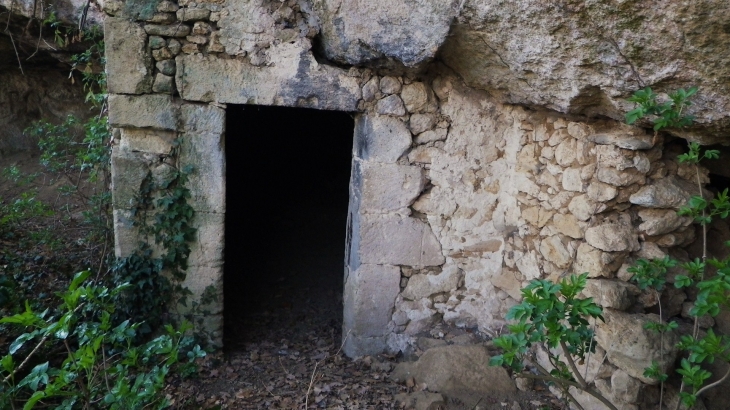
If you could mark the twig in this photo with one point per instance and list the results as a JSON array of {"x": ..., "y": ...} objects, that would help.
[
  {"x": 711, "y": 385},
  {"x": 20, "y": 65},
  {"x": 565, "y": 390},
  {"x": 32, "y": 352},
  {"x": 570, "y": 383},
  {"x": 25, "y": 361},
  {"x": 572, "y": 365},
  {"x": 314, "y": 372},
  {"x": 309, "y": 388}
]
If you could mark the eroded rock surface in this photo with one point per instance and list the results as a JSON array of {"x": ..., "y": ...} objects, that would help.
[{"x": 586, "y": 58}]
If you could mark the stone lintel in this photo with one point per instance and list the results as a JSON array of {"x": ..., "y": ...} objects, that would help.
[{"x": 293, "y": 78}]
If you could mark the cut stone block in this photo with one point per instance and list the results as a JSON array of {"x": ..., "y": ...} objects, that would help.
[
  {"x": 145, "y": 140},
  {"x": 396, "y": 240},
  {"x": 128, "y": 62},
  {"x": 380, "y": 138},
  {"x": 205, "y": 282},
  {"x": 126, "y": 235},
  {"x": 207, "y": 248},
  {"x": 128, "y": 172},
  {"x": 204, "y": 151},
  {"x": 203, "y": 118},
  {"x": 144, "y": 111},
  {"x": 293, "y": 78},
  {"x": 389, "y": 187},
  {"x": 369, "y": 299}
]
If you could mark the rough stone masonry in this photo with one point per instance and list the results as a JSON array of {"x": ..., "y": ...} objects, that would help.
[{"x": 489, "y": 147}]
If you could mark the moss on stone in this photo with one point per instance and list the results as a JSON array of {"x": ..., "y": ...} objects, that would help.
[{"x": 141, "y": 9}]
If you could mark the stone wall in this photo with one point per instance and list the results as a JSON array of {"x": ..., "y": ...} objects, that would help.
[{"x": 457, "y": 199}]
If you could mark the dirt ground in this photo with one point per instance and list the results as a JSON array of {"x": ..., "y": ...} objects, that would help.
[{"x": 286, "y": 356}]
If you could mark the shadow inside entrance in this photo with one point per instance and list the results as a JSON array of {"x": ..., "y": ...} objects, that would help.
[{"x": 287, "y": 176}]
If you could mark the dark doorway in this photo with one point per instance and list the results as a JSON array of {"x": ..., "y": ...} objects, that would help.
[{"x": 287, "y": 177}]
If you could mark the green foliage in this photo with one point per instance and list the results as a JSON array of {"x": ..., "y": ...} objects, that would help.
[
  {"x": 163, "y": 213},
  {"x": 62, "y": 152},
  {"x": 103, "y": 367},
  {"x": 103, "y": 332},
  {"x": 551, "y": 314},
  {"x": 713, "y": 293},
  {"x": 666, "y": 114},
  {"x": 651, "y": 273},
  {"x": 23, "y": 208}
]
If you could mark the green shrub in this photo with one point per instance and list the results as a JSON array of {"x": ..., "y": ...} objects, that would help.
[{"x": 102, "y": 367}]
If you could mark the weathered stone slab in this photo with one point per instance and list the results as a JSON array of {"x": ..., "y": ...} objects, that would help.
[
  {"x": 380, "y": 138},
  {"x": 207, "y": 181},
  {"x": 143, "y": 111},
  {"x": 661, "y": 221},
  {"x": 419, "y": 123},
  {"x": 663, "y": 193},
  {"x": 612, "y": 237},
  {"x": 553, "y": 250},
  {"x": 456, "y": 370},
  {"x": 188, "y": 14},
  {"x": 293, "y": 78},
  {"x": 596, "y": 262},
  {"x": 389, "y": 187},
  {"x": 623, "y": 140},
  {"x": 128, "y": 172},
  {"x": 146, "y": 140},
  {"x": 568, "y": 225},
  {"x": 128, "y": 62},
  {"x": 615, "y": 177},
  {"x": 424, "y": 285},
  {"x": 369, "y": 298},
  {"x": 396, "y": 240},
  {"x": 630, "y": 346},
  {"x": 613, "y": 294},
  {"x": 357, "y": 32},
  {"x": 173, "y": 30},
  {"x": 126, "y": 235}
]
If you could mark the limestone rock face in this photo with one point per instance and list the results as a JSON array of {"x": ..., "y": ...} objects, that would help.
[
  {"x": 612, "y": 237},
  {"x": 586, "y": 58},
  {"x": 630, "y": 346},
  {"x": 67, "y": 11},
  {"x": 358, "y": 31}
]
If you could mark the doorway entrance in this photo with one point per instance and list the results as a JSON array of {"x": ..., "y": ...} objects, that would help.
[{"x": 287, "y": 177}]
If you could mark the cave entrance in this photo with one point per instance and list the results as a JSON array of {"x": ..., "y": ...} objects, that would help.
[{"x": 287, "y": 178}]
